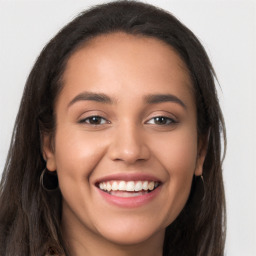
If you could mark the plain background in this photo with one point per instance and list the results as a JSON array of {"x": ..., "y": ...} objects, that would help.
[{"x": 227, "y": 29}]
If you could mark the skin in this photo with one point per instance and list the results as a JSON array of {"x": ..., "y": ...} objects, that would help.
[{"x": 128, "y": 139}]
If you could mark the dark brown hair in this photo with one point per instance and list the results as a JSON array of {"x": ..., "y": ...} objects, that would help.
[{"x": 30, "y": 216}]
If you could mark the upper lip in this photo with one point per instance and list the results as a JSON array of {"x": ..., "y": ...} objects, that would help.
[{"x": 128, "y": 177}]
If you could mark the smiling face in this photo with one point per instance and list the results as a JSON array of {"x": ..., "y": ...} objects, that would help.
[{"x": 126, "y": 145}]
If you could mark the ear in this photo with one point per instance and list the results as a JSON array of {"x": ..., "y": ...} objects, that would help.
[
  {"x": 48, "y": 152},
  {"x": 201, "y": 154}
]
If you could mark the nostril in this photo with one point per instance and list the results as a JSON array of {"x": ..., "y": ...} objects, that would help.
[
  {"x": 128, "y": 144},
  {"x": 129, "y": 155}
]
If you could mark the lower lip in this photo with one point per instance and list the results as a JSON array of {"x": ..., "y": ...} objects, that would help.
[{"x": 130, "y": 202}]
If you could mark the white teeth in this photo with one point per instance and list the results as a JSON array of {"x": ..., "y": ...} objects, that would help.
[
  {"x": 109, "y": 187},
  {"x": 130, "y": 186},
  {"x": 151, "y": 185},
  {"x": 114, "y": 186},
  {"x": 122, "y": 186},
  {"x": 138, "y": 186},
  {"x": 145, "y": 185}
]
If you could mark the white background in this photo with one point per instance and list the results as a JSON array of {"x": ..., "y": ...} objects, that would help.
[{"x": 227, "y": 29}]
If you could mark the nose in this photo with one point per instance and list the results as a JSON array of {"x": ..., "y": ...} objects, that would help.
[{"x": 128, "y": 144}]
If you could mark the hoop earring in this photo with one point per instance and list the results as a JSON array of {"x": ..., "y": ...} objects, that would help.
[
  {"x": 49, "y": 181},
  {"x": 197, "y": 194},
  {"x": 202, "y": 187}
]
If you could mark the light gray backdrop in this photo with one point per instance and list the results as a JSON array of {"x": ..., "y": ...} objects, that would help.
[{"x": 227, "y": 29}]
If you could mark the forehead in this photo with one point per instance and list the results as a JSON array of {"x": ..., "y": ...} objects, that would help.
[{"x": 119, "y": 60}]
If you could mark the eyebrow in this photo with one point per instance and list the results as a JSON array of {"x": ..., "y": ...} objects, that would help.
[
  {"x": 89, "y": 96},
  {"x": 103, "y": 98},
  {"x": 159, "y": 98}
]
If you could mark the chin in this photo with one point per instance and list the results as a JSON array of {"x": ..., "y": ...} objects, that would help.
[
  {"x": 131, "y": 231},
  {"x": 130, "y": 238}
]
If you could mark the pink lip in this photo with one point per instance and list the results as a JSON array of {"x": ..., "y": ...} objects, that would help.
[{"x": 130, "y": 202}]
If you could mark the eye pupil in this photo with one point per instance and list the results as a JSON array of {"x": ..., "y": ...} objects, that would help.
[
  {"x": 160, "y": 120},
  {"x": 95, "y": 120}
]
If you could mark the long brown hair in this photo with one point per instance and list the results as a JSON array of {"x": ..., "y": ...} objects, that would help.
[{"x": 30, "y": 216}]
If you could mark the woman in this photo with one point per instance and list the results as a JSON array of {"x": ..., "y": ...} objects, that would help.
[{"x": 89, "y": 172}]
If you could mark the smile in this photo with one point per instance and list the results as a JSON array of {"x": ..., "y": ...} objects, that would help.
[
  {"x": 129, "y": 191},
  {"x": 123, "y": 188}
]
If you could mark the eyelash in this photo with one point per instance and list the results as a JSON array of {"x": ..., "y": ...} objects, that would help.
[
  {"x": 167, "y": 120},
  {"x": 91, "y": 118}
]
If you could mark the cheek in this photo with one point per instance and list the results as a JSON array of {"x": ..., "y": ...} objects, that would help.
[
  {"x": 177, "y": 154},
  {"x": 77, "y": 153},
  {"x": 177, "y": 151}
]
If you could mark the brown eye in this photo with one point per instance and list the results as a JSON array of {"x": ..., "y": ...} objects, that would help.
[
  {"x": 161, "y": 120},
  {"x": 94, "y": 120}
]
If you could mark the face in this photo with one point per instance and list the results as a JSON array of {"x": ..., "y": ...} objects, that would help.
[{"x": 126, "y": 145}]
